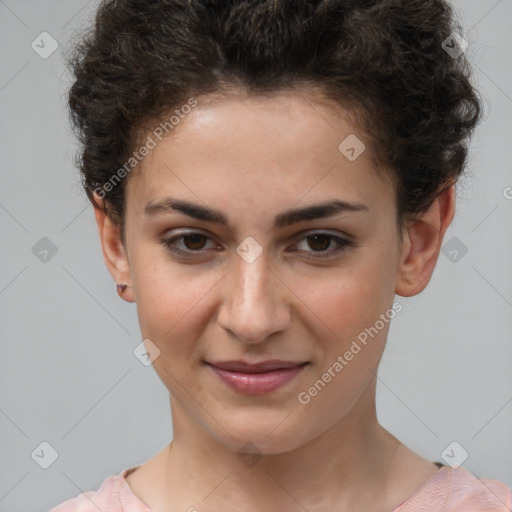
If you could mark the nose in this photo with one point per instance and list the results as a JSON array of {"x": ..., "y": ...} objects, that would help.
[{"x": 255, "y": 304}]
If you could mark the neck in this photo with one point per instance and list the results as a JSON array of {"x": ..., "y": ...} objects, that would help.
[{"x": 345, "y": 468}]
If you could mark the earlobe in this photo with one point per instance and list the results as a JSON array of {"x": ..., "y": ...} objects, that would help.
[
  {"x": 114, "y": 253},
  {"x": 422, "y": 244}
]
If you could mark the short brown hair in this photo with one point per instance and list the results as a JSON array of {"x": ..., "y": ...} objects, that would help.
[{"x": 142, "y": 59}]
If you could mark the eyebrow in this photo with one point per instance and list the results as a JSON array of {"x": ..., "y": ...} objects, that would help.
[{"x": 287, "y": 218}]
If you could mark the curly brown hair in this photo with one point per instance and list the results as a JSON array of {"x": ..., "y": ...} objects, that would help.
[{"x": 383, "y": 59}]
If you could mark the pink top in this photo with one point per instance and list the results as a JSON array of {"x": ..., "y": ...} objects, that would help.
[{"x": 448, "y": 490}]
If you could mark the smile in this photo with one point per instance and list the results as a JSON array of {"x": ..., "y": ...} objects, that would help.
[{"x": 254, "y": 380}]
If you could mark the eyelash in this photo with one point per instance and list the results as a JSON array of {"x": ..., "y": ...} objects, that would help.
[{"x": 342, "y": 244}]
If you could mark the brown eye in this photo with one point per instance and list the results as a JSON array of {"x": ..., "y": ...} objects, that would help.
[
  {"x": 319, "y": 242},
  {"x": 318, "y": 245},
  {"x": 197, "y": 241},
  {"x": 191, "y": 244}
]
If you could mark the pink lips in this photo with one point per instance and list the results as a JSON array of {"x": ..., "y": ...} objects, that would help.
[{"x": 256, "y": 379}]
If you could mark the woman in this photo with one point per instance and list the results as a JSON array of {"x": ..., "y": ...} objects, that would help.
[{"x": 266, "y": 176}]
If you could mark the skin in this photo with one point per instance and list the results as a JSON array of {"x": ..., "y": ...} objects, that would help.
[{"x": 253, "y": 158}]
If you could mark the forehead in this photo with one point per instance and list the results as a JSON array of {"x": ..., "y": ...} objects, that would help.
[{"x": 282, "y": 147}]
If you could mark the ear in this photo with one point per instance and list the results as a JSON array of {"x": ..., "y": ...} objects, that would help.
[
  {"x": 422, "y": 244},
  {"x": 114, "y": 253}
]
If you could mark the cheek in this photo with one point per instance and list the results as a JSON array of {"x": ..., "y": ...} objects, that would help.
[
  {"x": 173, "y": 314},
  {"x": 350, "y": 306},
  {"x": 171, "y": 301},
  {"x": 346, "y": 301}
]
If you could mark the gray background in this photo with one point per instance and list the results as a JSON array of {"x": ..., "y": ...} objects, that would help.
[{"x": 68, "y": 374}]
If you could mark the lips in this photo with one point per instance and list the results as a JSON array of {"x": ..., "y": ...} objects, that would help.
[
  {"x": 265, "y": 366},
  {"x": 256, "y": 378}
]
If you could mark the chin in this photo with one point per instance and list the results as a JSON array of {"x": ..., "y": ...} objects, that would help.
[{"x": 270, "y": 436}]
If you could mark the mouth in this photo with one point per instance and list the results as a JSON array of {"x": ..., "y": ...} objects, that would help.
[{"x": 256, "y": 379}]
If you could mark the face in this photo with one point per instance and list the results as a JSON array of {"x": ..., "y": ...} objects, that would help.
[{"x": 231, "y": 274}]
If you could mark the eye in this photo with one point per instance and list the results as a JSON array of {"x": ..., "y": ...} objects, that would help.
[
  {"x": 192, "y": 243},
  {"x": 186, "y": 244},
  {"x": 321, "y": 243}
]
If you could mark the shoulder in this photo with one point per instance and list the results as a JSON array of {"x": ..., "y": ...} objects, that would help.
[
  {"x": 458, "y": 490},
  {"x": 105, "y": 498},
  {"x": 469, "y": 493}
]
